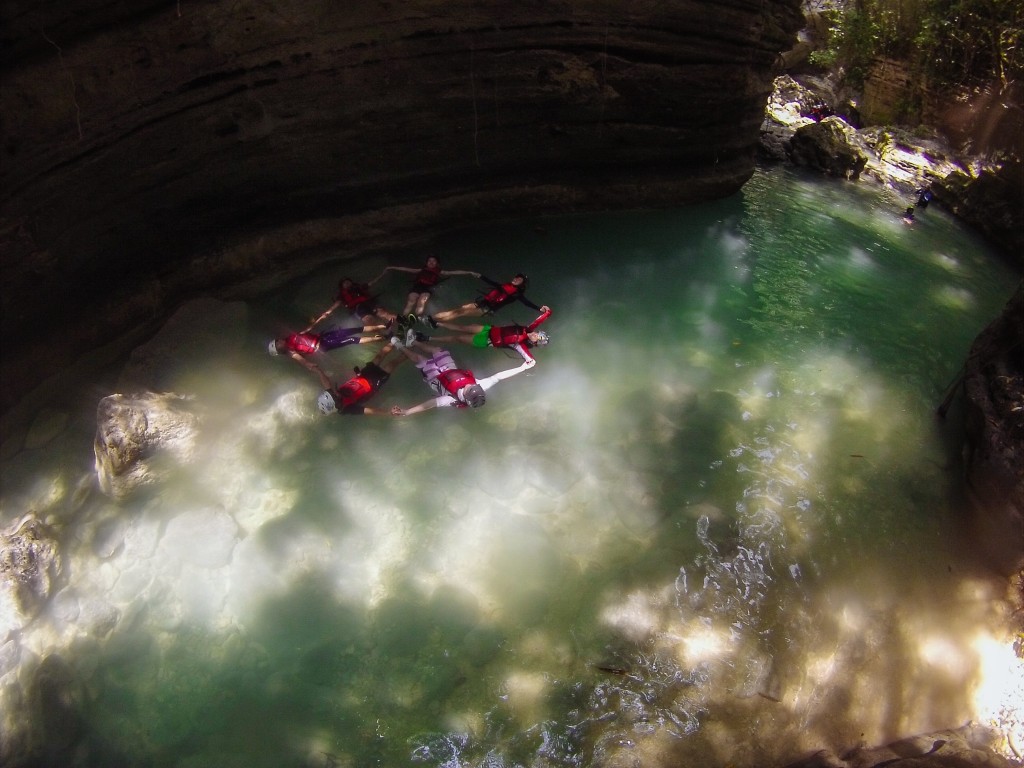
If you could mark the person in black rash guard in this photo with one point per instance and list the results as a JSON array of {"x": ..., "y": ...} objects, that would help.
[
  {"x": 499, "y": 296},
  {"x": 348, "y": 399}
]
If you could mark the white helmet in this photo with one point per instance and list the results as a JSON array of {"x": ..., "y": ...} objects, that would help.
[
  {"x": 326, "y": 403},
  {"x": 473, "y": 395},
  {"x": 273, "y": 348},
  {"x": 542, "y": 339}
]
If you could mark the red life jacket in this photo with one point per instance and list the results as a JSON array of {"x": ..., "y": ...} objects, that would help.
[
  {"x": 428, "y": 276},
  {"x": 354, "y": 296},
  {"x": 506, "y": 335},
  {"x": 354, "y": 390},
  {"x": 303, "y": 343},
  {"x": 503, "y": 294},
  {"x": 455, "y": 379}
]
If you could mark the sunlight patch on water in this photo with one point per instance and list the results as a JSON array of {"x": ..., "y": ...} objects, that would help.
[{"x": 954, "y": 298}]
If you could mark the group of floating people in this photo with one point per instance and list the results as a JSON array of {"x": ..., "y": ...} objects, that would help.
[{"x": 401, "y": 340}]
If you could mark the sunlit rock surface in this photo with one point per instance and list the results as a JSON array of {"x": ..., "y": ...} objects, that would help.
[
  {"x": 30, "y": 569},
  {"x": 132, "y": 431},
  {"x": 986, "y": 194},
  {"x": 153, "y": 152}
]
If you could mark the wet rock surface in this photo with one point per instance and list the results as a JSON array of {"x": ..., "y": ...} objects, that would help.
[
  {"x": 994, "y": 452},
  {"x": 133, "y": 431},
  {"x": 30, "y": 570}
]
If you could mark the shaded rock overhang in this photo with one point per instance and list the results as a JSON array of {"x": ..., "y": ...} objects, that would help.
[{"x": 153, "y": 151}]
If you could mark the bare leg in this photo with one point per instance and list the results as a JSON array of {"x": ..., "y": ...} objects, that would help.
[
  {"x": 421, "y": 304},
  {"x": 465, "y": 309},
  {"x": 410, "y": 302},
  {"x": 393, "y": 362},
  {"x": 412, "y": 354},
  {"x": 461, "y": 338},
  {"x": 465, "y": 329}
]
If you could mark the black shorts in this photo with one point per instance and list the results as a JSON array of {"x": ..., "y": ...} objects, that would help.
[
  {"x": 366, "y": 308},
  {"x": 376, "y": 375},
  {"x": 422, "y": 288},
  {"x": 486, "y": 305}
]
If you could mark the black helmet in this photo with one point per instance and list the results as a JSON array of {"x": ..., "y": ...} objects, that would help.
[
  {"x": 474, "y": 395},
  {"x": 526, "y": 279}
]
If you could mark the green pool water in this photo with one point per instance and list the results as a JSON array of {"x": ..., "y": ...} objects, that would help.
[{"x": 718, "y": 524}]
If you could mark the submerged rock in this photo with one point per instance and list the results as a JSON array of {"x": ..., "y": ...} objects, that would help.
[
  {"x": 132, "y": 430},
  {"x": 30, "y": 568},
  {"x": 961, "y": 748}
]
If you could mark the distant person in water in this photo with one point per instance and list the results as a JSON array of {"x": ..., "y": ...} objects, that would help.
[
  {"x": 499, "y": 296},
  {"x": 454, "y": 387},
  {"x": 516, "y": 337},
  {"x": 357, "y": 299},
  {"x": 300, "y": 346},
  {"x": 908, "y": 215},
  {"x": 349, "y": 399},
  {"x": 924, "y": 196},
  {"x": 427, "y": 279}
]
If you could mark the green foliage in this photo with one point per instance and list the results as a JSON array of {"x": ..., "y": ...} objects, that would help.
[{"x": 951, "y": 42}]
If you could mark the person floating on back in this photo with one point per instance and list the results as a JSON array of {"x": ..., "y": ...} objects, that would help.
[
  {"x": 515, "y": 337},
  {"x": 454, "y": 387},
  {"x": 357, "y": 299},
  {"x": 426, "y": 280},
  {"x": 499, "y": 296},
  {"x": 908, "y": 215},
  {"x": 300, "y": 346},
  {"x": 349, "y": 399}
]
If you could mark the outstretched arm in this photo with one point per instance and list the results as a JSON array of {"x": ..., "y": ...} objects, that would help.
[
  {"x": 400, "y": 269},
  {"x": 310, "y": 366},
  {"x": 398, "y": 410},
  {"x": 527, "y": 302},
  {"x": 451, "y": 272},
  {"x": 522, "y": 351},
  {"x": 324, "y": 314},
  {"x": 324, "y": 381},
  {"x": 490, "y": 381},
  {"x": 488, "y": 280},
  {"x": 371, "y": 411},
  {"x": 545, "y": 313}
]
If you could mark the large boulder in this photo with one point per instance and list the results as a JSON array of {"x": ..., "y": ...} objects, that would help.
[
  {"x": 829, "y": 146},
  {"x": 133, "y": 431}
]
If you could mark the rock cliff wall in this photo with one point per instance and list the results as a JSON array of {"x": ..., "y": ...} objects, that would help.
[{"x": 162, "y": 150}]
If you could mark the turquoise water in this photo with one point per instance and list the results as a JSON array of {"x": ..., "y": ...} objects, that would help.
[{"x": 718, "y": 524}]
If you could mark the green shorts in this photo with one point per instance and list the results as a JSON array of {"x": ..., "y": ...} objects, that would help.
[{"x": 482, "y": 337}]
